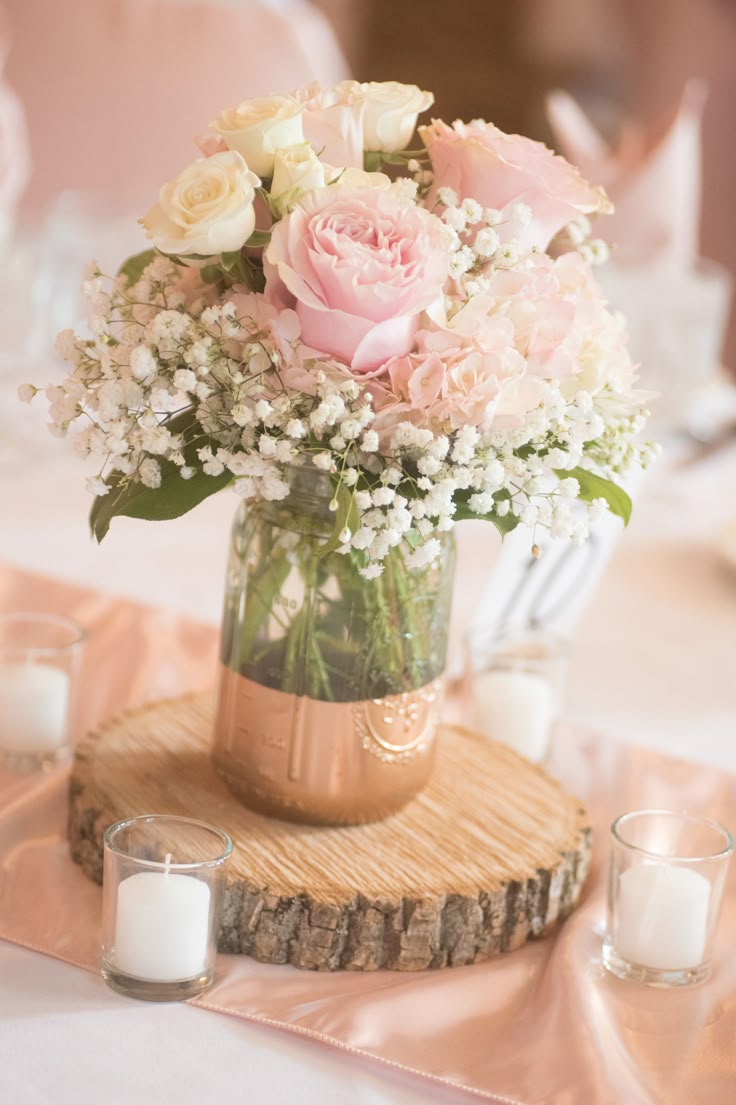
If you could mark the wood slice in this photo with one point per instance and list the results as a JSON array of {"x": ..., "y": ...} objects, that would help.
[{"x": 491, "y": 853}]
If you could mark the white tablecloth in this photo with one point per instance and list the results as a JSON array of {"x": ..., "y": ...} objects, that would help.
[{"x": 654, "y": 663}]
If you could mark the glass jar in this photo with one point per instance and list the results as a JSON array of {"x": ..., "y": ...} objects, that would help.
[{"x": 330, "y": 684}]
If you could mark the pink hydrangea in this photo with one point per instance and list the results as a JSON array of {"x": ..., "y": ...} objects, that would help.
[
  {"x": 488, "y": 364},
  {"x": 454, "y": 377}
]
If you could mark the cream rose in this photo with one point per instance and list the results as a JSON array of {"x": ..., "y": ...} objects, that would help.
[
  {"x": 390, "y": 114},
  {"x": 296, "y": 170},
  {"x": 258, "y": 128},
  {"x": 207, "y": 209}
]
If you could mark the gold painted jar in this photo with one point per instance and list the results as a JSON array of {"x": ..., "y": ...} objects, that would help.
[{"x": 330, "y": 684}]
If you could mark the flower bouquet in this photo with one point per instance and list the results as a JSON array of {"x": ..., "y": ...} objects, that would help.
[{"x": 367, "y": 342}]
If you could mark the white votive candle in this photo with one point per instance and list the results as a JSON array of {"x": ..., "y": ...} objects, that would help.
[
  {"x": 662, "y": 916},
  {"x": 516, "y": 708},
  {"x": 162, "y": 926},
  {"x": 34, "y": 700}
]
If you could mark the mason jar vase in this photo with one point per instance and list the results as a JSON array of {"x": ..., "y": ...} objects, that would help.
[{"x": 330, "y": 684}]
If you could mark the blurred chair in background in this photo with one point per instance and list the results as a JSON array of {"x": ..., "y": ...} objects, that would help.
[
  {"x": 15, "y": 165},
  {"x": 17, "y": 272},
  {"x": 671, "y": 41},
  {"x": 629, "y": 60},
  {"x": 620, "y": 59},
  {"x": 115, "y": 90},
  {"x": 676, "y": 304}
]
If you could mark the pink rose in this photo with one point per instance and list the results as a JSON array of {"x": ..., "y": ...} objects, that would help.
[
  {"x": 358, "y": 266},
  {"x": 343, "y": 121},
  {"x": 333, "y": 123},
  {"x": 209, "y": 145},
  {"x": 499, "y": 170}
]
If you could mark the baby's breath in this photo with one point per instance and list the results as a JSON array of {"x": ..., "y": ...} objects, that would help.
[{"x": 181, "y": 378}]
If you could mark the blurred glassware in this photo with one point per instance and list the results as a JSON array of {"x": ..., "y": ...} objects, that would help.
[
  {"x": 548, "y": 593},
  {"x": 81, "y": 226},
  {"x": 666, "y": 878},
  {"x": 517, "y": 688},
  {"x": 22, "y": 329},
  {"x": 40, "y": 657},
  {"x": 726, "y": 544},
  {"x": 41, "y": 281},
  {"x": 15, "y": 157},
  {"x": 677, "y": 321}
]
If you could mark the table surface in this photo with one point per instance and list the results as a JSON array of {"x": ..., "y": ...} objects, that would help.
[{"x": 653, "y": 663}]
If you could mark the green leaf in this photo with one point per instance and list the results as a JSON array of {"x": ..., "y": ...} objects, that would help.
[
  {"x": 504, "y": 525},
  {"x": 229, "y": 261},
  {"x": 175, "y": 496},
  {"x": 259, "y": 238},
  {"x": 132, "y": 269},
  {"x": 373, "y": 160},
  {"x": 347, "y": 514},
  {"x": 211, "y": 274},
  {"x": 240, "y": 268},
  {"x": 596, "y": 487}
]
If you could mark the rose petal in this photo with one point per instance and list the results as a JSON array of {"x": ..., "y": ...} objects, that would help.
[
  {"x": 392, "y": 338},
  {"x": 332, "y": 332}
]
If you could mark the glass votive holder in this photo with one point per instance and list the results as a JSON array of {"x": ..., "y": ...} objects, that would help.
[
  {"x": 40, "y": 657},
  {"x": 516, "y": 686},
  {"x": 163, "y": 885},
  {"x": 666, "y": 877}
]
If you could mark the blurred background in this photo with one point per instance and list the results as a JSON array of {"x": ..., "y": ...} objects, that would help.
[
  {"x": 99, "y": 103},
  {"x": 101, "y": 100}
]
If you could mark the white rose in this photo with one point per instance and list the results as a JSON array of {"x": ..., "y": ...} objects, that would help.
[
  {"x": 296, "y": 170},
  {"x": 258, "y": 128},
  {"x": 390, "y": 114},
  {"x": 207, "y": 209}
]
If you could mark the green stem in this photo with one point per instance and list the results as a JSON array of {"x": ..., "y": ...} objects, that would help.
[
  {"x": 321, "y": 669},
  {"x": 290, "y": 682},
  {"x": 407, "y": 627}
]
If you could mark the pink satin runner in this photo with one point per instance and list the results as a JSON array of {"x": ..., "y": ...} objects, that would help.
[{"x": 542, "y": 1026}]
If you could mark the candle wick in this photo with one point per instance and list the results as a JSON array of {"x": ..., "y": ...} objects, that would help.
[{"x": 167, "y": 863}]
